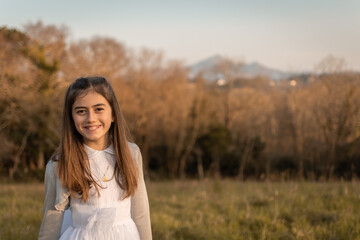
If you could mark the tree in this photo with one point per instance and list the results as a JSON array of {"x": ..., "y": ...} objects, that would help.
[
  {"x": 28, "y": 106},
  {"x": 215, "y": 144}
]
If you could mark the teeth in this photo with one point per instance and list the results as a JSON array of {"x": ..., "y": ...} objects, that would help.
[{"x": 92, "y": 127}]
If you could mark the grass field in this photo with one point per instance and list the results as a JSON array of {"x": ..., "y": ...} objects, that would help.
[{"x": 217, "y": 210}]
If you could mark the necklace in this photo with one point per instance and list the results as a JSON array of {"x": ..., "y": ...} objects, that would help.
[{"x": 104, "y": 178}]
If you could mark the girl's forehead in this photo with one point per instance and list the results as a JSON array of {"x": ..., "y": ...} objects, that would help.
[{"x": 90, "y": 98}]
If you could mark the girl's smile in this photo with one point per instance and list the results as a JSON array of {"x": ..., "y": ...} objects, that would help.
[
  {"x": 92, "y": 128},
  {"x": 92, "y": 115}
]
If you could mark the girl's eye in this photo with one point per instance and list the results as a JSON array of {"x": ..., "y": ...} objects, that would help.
[
  {"x": 80, "y": 111},
  {"x": 99, "y": 109}
]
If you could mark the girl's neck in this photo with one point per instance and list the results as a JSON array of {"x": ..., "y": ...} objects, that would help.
[{"x": 99, "y": 145}]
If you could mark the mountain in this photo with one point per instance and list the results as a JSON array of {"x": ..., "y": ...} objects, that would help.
[{"x": 248, "y": 70}]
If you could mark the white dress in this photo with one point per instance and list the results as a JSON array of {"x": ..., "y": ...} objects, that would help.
[{"x": 105, "y": 216}]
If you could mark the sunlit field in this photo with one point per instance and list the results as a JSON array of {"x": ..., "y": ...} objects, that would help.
[{"x": 217, "y": 210}]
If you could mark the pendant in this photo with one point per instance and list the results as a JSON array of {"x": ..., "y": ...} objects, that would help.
[{"x": 105, "y": 179}]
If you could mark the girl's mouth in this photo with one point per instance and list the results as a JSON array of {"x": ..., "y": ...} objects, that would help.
[{"x": 92, "y": 128}]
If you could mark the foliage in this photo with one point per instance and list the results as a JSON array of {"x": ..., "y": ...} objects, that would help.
[
  {"x": 29, "y": 104},
  {"x": 245, "y": 128}
]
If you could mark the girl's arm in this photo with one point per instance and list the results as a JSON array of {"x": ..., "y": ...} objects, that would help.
[
  {"x": 52, "y": 218},
  {"x": 140, "y": 212}
]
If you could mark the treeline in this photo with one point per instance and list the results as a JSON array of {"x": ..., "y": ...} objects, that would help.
[{"x": 246, "y": 128}]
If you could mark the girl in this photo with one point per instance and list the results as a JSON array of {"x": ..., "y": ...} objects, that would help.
[{"x": 96, "y": 171}]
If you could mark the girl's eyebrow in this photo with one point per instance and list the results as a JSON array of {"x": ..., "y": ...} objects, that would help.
[{"x": 96, "y": 105}]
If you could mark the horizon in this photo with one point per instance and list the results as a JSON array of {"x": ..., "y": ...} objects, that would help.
[{"x": 279, "y": 35}]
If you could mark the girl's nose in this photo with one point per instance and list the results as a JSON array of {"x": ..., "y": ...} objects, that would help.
[{"x": 91, "y": 116}]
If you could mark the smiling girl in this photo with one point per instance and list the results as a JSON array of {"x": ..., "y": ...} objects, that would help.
[{"x": 96, "y": 171}]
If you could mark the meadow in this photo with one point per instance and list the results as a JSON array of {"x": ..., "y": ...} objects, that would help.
[{"x": 223, "y": 209}]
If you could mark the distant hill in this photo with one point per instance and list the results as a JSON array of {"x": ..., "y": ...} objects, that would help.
[{"x": 247, "y": 70}]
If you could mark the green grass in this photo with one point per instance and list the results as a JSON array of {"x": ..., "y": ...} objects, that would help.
[{"x": 217, "y": 210}]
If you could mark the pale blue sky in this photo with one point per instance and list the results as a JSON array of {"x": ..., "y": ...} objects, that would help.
[{"x": 284, "y": 34}]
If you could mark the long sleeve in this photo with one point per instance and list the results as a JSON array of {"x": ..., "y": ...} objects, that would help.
[
  {"x": 52, "y": 217},
  {"x": 140, "y": 211}
]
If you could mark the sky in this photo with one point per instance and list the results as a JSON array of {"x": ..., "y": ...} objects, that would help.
[{"x": 288, "y": 35}]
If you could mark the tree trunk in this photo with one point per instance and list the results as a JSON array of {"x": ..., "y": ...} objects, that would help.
[
  {"x": 216, "y": 165},
  {"x": 17, "y": 157},
  {"x": 188, "y": 149},
  {"x": 200, "y": 167},
  {"x": 40, "y": 159},
  {"x": 331, "y": 163},
  {"x": 248, "y": 148}
]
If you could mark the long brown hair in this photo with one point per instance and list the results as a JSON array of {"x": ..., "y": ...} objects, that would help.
[{"x": 73, "y": 166}]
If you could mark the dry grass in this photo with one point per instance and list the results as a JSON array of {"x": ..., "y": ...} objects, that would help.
[{"x": 217, "y": 210}]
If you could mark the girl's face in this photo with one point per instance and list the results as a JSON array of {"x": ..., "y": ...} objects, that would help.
[{"x": 92, "y": 115}]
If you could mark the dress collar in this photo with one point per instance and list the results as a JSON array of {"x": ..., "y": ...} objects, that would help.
[{"x": 93, "y": 153}]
